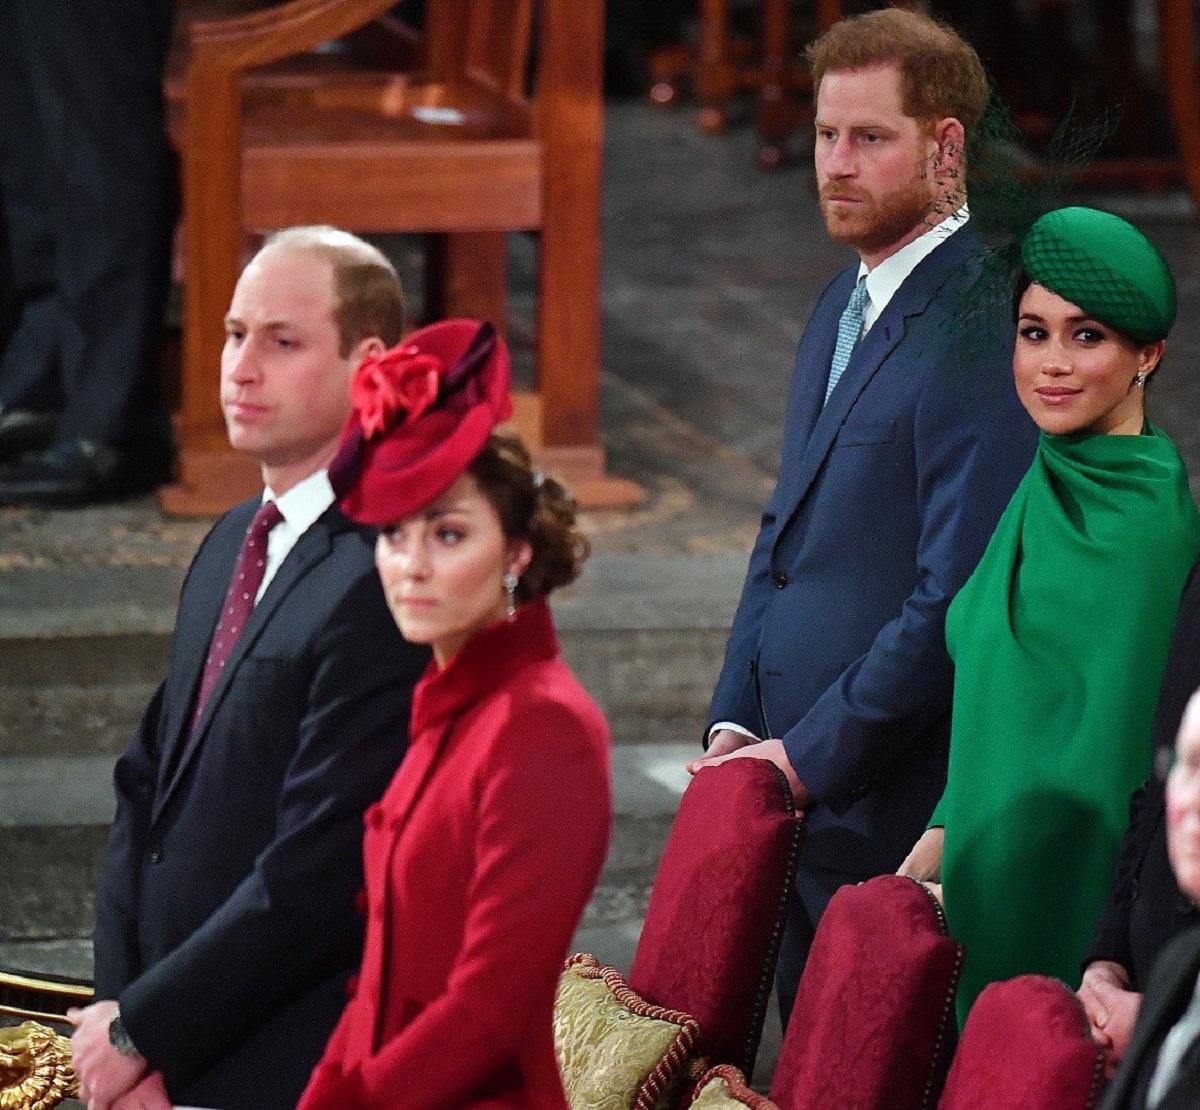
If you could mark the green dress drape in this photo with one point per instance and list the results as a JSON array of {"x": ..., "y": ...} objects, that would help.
[{"x": 1059, "y": 640}]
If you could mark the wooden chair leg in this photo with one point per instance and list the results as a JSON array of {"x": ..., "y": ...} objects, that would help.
[
  {"x": 1177, "y": 49},
  {"x": 775, "y": 114},
  {"x": 466, "y": 274},
  {"x": 716, "y": 74},
  {"x": 212, "y": 476}
]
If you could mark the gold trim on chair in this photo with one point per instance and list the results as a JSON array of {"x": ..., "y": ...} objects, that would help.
[{"x": 40, "y": 997}]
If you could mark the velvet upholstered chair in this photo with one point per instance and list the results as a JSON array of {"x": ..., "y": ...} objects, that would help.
[
  {"x": 1026, "y": 1046},
  {"x": 872, "y": 1023},
  {"x": 702, "y": 972},
  {"x": 712, "y": 929}
]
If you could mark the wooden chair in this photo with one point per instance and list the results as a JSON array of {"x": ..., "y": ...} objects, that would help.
[{"x": 456, "y": 148}]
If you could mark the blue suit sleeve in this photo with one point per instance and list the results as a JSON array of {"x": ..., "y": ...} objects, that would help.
[{"x": 973, "y": 443}]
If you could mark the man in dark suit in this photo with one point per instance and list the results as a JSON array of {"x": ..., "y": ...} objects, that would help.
[
  {"x": 1145, "y": 909},
  {"x": 1161, "y": 1069},
  {"x": 226, "y": 923},
  {"x": 88, "y": 191},
  {"x": 903, "y": 443}
]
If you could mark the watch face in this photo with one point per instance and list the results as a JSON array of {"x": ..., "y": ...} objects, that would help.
[{"x": 119, "y": 1038}]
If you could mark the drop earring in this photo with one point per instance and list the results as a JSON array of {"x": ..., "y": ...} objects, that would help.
[
  {"x": 1140, "y": 379},
  {"x": 510, "y": 590}
]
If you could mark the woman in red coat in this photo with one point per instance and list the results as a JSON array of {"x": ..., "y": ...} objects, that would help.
[{"x": 484, "y": 851}]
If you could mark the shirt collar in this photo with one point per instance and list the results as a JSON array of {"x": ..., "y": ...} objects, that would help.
[
  {"x": 890, "y": 274},
  {"x": 304, "y": 502}
]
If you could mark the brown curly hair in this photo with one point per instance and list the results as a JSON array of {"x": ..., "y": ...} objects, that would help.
[{"x": 535, "y": 508}]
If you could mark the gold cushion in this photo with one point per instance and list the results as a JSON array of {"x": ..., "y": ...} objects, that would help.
[
  {"x": 616, "y": 1051},
  {"x": 724, "y": 1088}
]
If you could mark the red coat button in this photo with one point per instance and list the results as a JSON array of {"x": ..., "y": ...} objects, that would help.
[
  {"x": 360, "y": 902},
  {"x": 352, "y": 986}
]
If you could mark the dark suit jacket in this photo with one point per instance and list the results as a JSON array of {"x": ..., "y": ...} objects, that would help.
[
  {"x": 226, "y": 924},
  {"x": 1167, "y": 996},
  {"x": 886, "y": 499},
  {"x": 1146, "y": 909}
]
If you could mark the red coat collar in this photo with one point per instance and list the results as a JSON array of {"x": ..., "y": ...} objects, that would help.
[{"x": 486, "y": 662}]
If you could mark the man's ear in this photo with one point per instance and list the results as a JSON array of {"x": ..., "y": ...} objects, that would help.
[
  {"x": 372, "y": 345},
  {"x": 950, "y": 137}
]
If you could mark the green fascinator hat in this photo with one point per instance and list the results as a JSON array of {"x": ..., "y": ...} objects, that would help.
[{"x": 1104, "y": 265}]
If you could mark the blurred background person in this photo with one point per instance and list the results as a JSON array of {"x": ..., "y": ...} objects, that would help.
[
  {"x": 1060, "y": 637},
  {"x": 89, "y": 196},
  {"x": 1145, "y": 909},
  {"x": 486, "y": 846},
  {"x": 1161, "y": 1070}
]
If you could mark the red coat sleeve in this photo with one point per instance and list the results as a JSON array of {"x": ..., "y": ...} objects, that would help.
[{"x": 544, "y": 818}]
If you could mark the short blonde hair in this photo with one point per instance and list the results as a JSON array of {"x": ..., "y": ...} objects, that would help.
[{"x": 368, "y": 299}]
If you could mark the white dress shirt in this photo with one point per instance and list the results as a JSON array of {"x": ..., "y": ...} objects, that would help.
[{"x": 300, "y": 506}]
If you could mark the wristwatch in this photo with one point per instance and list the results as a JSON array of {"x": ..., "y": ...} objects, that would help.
[{"x": 119, "y": 1037}]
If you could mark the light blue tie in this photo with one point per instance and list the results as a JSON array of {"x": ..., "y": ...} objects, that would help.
[{"x": 850, "y": 328}]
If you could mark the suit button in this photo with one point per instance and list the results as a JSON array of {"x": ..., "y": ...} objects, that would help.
[
  {"x": 780, "y": 579},
  {"x": 156, "y": 854}
]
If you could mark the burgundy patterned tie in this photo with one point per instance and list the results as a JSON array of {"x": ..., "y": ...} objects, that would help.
[{"x": 239, "y": 601}]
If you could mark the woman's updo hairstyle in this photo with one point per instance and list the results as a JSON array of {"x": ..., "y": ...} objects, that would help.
[{"x": 532, "y": 507}]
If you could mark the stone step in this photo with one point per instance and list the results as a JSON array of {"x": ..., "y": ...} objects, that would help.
[
  {"x": 79, "y": 660},
  {"x": 47, "y": 881}
]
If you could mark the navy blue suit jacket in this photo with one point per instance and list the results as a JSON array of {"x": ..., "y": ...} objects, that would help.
[
  {"x": 887, "y": 496},
  {"x": 226, "y": 922}
]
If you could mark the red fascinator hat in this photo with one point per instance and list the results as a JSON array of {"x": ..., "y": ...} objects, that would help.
[{"x": 421, "y": 412}]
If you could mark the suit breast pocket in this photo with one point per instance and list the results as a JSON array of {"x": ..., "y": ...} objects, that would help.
[{"x": 865, "y": 433}]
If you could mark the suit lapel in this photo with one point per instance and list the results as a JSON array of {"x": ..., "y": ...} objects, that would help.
[
  {"x": 1160, "y": 1009},
  {"x": 193, "y": 635},
  {"x": 313, "y": 546},
  {"x": 911, "y": 300}
]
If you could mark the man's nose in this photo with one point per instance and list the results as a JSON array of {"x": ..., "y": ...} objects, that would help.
[
  {"x": 839, "y": 157},
  {"x": 242, "y": 361}
]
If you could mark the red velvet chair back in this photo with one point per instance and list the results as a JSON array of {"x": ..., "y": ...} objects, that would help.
[
  {"x": 1026, "y": 1046},
  {"x": 712, "y": 928},
  {"x": 873, "y": 1014}
]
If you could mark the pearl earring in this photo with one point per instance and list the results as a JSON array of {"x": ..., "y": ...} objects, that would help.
[{"x": 510, "y": 589}]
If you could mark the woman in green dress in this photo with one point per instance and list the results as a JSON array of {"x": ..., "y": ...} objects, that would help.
[{"x": 1060, "y": 636}]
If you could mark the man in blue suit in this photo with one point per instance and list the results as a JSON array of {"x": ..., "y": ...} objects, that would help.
[{"x": 904, "y": 441}]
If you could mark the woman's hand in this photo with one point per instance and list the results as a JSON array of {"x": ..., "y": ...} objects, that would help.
[
  {"x": 924, "y": 862},
  {"x": 1111, "y": 1008}
]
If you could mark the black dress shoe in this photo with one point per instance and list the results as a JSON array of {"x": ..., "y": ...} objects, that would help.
[
  {"x": 23, "y": 430},
  {"x": 83, "y": 472}
]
